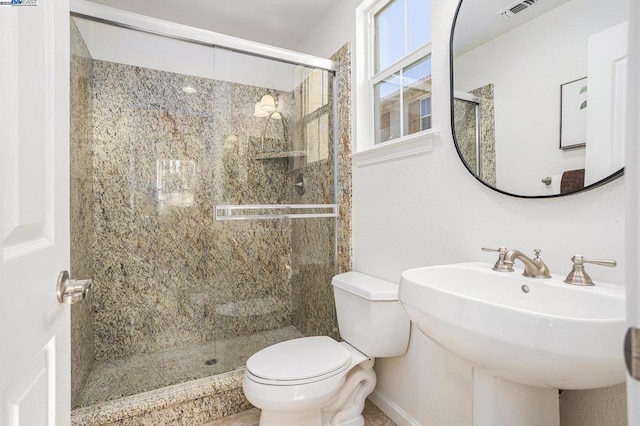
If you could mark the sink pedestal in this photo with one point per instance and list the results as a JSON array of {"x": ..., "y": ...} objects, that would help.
[{"x": 499, "y": 402}]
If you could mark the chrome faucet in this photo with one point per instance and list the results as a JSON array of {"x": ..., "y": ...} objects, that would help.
[{"x": 534, "y": 268}]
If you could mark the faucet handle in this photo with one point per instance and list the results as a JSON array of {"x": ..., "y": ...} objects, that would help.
[
  {"x": 578, "y": 276},
  {"x": 498, "y": 250},
  {"x": 500, "y": 265}
]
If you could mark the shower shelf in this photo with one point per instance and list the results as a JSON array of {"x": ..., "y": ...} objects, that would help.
[
  {"x": 281, "y": 154},
  {"x": 274, "y": 211}
]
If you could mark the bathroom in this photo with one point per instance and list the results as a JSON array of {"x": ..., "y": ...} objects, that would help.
[{"x": 400, "y": 207}]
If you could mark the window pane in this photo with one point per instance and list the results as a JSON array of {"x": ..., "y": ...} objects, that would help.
[
  {"x": 416, "y": 88},
  {"x": 387, "y": 109},
  {"x": 425, "y": 107},
  {"x": 418, "y": 24},
  {"x": 389, "y": 33}
]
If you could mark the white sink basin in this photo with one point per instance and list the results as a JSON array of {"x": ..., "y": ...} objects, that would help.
[{"x": 555, "y": 336}]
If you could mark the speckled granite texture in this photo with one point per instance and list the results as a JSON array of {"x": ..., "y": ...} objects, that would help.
[
  {"x": 172, "y": 287},
  {"x": 192, "y": 403},
  {"x": 313, "y": 241},
  {"x": 165, "y": 271},
  {"x": 465, "y": 125},
  {"x": 123, "y": 377},
  {"x": 343, "y": 151},
  {"x": 81, "y": 206},
  {"x": 487, "y": 133}
]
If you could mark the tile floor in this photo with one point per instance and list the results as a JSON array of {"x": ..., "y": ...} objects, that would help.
[
  {"x": 114, "y": 379},
  {"x": 372, "y": 417}
]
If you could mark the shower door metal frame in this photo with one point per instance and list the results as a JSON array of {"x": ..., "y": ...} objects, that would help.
[{"x": 132, "y": 21}]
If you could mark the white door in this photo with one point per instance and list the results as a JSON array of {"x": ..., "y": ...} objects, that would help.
[
  {"x": 606, "y": 114},
  {"x": 632, "y": 188},
  {"x": 34, "y": 213}
]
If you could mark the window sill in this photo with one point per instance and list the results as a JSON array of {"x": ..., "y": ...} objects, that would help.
[{"x": 407, "y": 146}]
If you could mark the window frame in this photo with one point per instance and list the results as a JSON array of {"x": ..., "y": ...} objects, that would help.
[
  {"x": 366, "y": 79},
  {"x": 420, "y": 115}
]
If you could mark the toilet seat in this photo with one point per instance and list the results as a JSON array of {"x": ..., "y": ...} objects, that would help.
[{"x": 299, "y": 361}]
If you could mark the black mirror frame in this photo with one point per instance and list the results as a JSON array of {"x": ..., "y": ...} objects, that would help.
[{"x": 455, "y": 141}]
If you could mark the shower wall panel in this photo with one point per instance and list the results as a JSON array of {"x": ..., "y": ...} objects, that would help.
[
  {"x": 166, "y": 273},
  {"x": 343, "y": 157},
  {"x": 314, "y": 241},
  {"x": 472, "y": 130},
  {"x": 487, "y": 134},
  {"x": 81, "y": 206}
]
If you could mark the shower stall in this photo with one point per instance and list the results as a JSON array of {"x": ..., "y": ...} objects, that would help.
[
  {"x": 204, "y": 206},
  {"x": 474, "y": 120}
]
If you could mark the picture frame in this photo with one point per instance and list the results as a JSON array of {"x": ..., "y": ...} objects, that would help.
[{"x": 573, "y": 114}]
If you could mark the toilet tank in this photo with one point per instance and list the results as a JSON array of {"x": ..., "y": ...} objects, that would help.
[{"x": 370, "y": 316}]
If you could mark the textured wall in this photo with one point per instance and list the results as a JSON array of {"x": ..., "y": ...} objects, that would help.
[
  {"x": 81, "y": 206},
  {"x": 313, "y": 250},
  {"x": 467, "y": 130},
  {"x": 343, "y": 160},
  {"x": 313, "y": 240},
  {"x": 487, "y": 133},
  {"x": 577, "y": 407},
  {"x": 167, "y": 274}
]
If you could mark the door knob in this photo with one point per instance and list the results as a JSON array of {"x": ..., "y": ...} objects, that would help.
[{"x": 71, "y": 291}]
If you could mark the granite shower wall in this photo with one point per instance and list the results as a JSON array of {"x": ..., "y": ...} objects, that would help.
[
  {"x": 466, "y": 129},
  {"x": 81, "y": 206},
  {"x": 487, "y": 133},
  {"x": 314, "y": 240},
  {"x": 166, "y": 273}
]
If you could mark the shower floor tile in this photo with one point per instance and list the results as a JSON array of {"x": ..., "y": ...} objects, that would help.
[{"x": 114, "y": 379}]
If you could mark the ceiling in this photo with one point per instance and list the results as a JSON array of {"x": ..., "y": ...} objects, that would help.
[
  {"x": 282, "y": 23},
  {"x": 478, "y": 21}
]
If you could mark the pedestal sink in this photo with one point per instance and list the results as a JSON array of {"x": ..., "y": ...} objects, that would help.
[{"x": 525, "y": 337}]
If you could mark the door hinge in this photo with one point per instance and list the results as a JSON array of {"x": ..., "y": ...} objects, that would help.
[{"x": 632, "y": 352}]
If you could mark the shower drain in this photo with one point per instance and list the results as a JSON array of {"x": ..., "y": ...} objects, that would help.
[{"x": 211, "y": 361}]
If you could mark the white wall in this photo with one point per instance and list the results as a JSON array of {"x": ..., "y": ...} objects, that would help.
[
  {"x": 428, "y": 210},
  {"x": 527, "y": 66},
  {"x": 332, "y": 31}
]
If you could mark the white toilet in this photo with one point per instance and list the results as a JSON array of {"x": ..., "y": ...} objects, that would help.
[{"x": 316, "y": 381}]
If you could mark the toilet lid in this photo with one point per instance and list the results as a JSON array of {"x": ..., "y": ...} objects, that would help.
[{"x": 299, "y": 359}]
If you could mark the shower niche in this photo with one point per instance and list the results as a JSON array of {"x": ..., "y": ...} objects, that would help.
[{"x": 185, "y": 210}]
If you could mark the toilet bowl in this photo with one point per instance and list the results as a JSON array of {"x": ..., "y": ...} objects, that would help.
[{"x": 316, "y": 381}]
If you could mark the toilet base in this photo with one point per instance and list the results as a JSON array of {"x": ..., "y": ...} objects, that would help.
[{"x": 345, "y": 409}]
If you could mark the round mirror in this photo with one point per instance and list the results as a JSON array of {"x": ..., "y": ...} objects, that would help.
[{"x": 538, "y": 93}]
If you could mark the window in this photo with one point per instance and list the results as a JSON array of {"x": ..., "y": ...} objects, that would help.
[
  {"x": 395, "y": 40},
  {"x": 418, "y": 116}
]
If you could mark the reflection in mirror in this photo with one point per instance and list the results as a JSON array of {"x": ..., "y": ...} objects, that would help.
[{"x": 538, "y": 93}]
